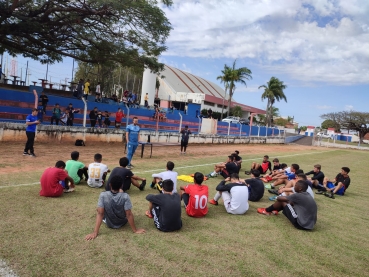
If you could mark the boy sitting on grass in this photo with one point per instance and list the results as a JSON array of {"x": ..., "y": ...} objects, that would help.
[
  {"x": 97, "y": 172},
  {"x": 283, "y": 178},
  {"x": 114, "y": 209},
  {"x": 168, "y": 174},
  {"x": 76, "y": 169},
  {"x": 300, "y": 208},
  {"x": 195, "y": 197},
  {"x": 338, "y": 185},
  {"x": 165, "y": 208},
  {"x": 54, "y": 181}
]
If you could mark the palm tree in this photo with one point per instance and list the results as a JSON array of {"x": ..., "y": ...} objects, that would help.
[
  {"x": 237, "y": 111},
  {"x": 236, "y": 75},
  {"x": 225, "y": 78},
  {"x": 273, "y": 91}
]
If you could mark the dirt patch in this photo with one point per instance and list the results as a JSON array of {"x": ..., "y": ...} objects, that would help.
[{"x": 48, "y": 153}]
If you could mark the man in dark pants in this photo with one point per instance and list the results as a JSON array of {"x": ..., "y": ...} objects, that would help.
[
  {"x": 93, "y": 117},
  {"x": 44, "y": 99},
  {"x": 31, "y": 122},
  {"x": 71, "y": 111}
]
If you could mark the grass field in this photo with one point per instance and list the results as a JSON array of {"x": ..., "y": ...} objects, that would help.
[{"x": 45, "y": 236}]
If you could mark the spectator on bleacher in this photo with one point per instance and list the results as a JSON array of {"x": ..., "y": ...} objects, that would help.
[
  {"x": 197, "y": 113},
  {"x": 40, "y": 112},
  {"x": 114, "y": 98},
  {"x": 107, "y": 120},
  {"x": 56, "y": 114},
  {"x": 124, "y": 100},
  {"x": 185, "y": 109},
  {"x": 99, "y": 119},
  {"x": 93, "y": 117},
  {"x": 98, "y": 93},
  {"x": 172, "y": 109},
  {"x": 210, "y": 113},
  {"x": 134, "y": 98},
  {"x": 79, "y": 89},
  {"x": 86, "y": 89},
  {"x": 44, "y": 99},
  {"x": 118, "y": 118},
  {"x": 70, "y": 114},
  {"x": 31, "y": 122},
  {"x": 146, "y": 100}
]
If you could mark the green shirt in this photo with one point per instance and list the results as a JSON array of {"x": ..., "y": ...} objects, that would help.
[{"x": 72, "y": 167}]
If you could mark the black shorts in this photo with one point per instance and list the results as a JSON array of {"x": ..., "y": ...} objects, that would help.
[
  {"x": 261, "y": 170},
  {"x": 290, "y": 213},
  {"x": 224, "y": 173},
  {"x": 184, "y": 143},
  {"x": 126, "y": 184}
]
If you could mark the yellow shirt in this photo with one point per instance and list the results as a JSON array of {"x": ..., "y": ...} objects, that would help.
[{"x": 87, "y": 87}]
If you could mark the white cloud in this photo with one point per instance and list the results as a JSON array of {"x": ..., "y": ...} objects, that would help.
[
  {"x": 349, "y": 107},
  {"x": 324, "y": 107},
  {"x": 310, "y": 40}
]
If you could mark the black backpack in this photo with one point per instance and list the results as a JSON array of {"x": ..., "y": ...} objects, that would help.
[{"x": 80, "y": 142}]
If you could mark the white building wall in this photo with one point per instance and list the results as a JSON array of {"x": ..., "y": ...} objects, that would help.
[{"x": 148, "y": 86}]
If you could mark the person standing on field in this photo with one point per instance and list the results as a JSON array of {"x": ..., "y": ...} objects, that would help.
[
  {"x": 31, "y": 122},
  {"x": 184, "y": 140},
  {"x": 132, "y": 138},
  {"x": 93, "y": 117}
]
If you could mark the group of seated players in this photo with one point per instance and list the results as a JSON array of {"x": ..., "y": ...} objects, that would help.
[{"x": 295, "y": 195}]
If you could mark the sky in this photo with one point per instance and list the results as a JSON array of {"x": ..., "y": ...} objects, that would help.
[{"x": 318, "y": 48}]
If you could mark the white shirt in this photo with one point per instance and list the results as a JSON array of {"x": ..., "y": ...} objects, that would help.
[
  {"x": 172, "y": 175},
  {"x": 98, "y": 88},
  {"x": 95, "y": 174}
]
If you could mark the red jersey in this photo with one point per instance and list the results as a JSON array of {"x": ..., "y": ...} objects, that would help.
[
  {"x": 198, "y": 202},
  {"x": 50, "y": 186},
  {"x": 119, "y": 116}
]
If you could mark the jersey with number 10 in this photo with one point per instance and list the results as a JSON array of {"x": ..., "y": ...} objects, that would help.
[
  {"x": 95, "y": 174},
  {"x": 198, "y": 202}
]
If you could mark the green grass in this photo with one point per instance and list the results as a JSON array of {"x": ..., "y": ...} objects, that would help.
[{"x": 45, "y": 237}]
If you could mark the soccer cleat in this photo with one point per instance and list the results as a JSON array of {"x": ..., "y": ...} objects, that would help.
[
  {"x": 32, "y": 155},
  {"x": 213, "y": 202},
  {"x": 247, "y": 172},
  {"x": 25, "y": 154},
  {"x": 319, "y": 192},
  {"x": 128, "y": 167},
  {"x": 329, "y": 194},
  {"x": 263, "y": 211},
  {"x": 143, "y": 184},
  {"x": 209, "y": 175},
  {"x": 273, "y": 191},
  {"x": 152, "y": 185}
]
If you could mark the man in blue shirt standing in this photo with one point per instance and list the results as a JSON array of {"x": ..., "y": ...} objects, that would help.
[
  {"x": 31, "y": 122},
  {"x": 132, "y": 138}
]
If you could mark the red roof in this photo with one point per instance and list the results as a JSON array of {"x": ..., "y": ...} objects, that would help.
[
  {"x": 219, "y": 101},
  {"x": 310, "y": 127}
]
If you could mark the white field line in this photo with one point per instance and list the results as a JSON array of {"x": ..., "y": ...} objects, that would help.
[{"x": 181, "y": 167}]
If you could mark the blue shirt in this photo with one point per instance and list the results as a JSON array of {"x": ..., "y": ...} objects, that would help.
[
  {"x": 31, "y": 128},
  {"x": 133, "y": 131},
  {"x": 290, "y": 176}
]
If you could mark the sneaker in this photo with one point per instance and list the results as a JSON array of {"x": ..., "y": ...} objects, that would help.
[
  {"x": 68, "y": 190},
  {"x": 209, "y": 176},
  {"x": 273, "y": 198},
  {"x": 152, "y": 185},
  {"x": 128, "y": 167},
  {"x": 263, "y": 211},
  {"x": 32, "y": 155},
  {"x": 247, "y": 172},
  {"x": 319, "y": 192},
  {"x": 273, "y": 191},
  {"x": 104, "y": 220},
  {"x": 329, "y": 195},
  {"x": 213, "y": 202},
  {"x": 143, "y": 184},
  {"x": 131, "y": 165},
  {"x": 25, "y": 154}
]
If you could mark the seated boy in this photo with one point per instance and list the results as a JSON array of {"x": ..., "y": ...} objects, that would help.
[
  {"x": 97, "y": 172},
  {"x": 255, "y": 186},
  {"x": 195, "y": 197},
  {"x": 76, "y": 169},
  {"x": 225, "y": 169},
  {"x": 54, "y": 181},
  {"x": 127, "y": 176},
  {"x": 237, "y": 159},
  {"x": 318, "y": 176},
  {"x": 165, "y": 208},
  {"x": 289, "y": 188},
  {"x": 114, "y": 209},
  {"x": 235, "y": 195},
  {"x": 263, "y": 167},
  {"x": 338, "y": 185},
  {"x": 300, "y": 208},
  {"x": 283, "y": 178},
  {"x": 168, "y": 174}
]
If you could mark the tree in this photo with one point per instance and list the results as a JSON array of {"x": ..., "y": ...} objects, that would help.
[
  {"x": 328, "y": 123},
  {"x": 280, "y": 122},
  {"x": 237, "y": 111},
  {"x": 236, "y": 75},
  {"x": 225, "y": 78},
  {"x": 350, "y": 120},
  {"x": 273, "y": 91},
  {"x": 95, "y": 31}
]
